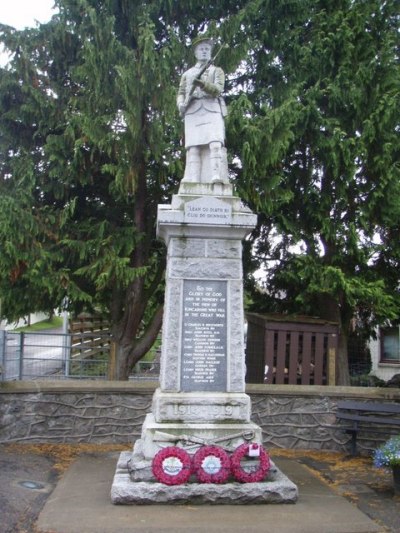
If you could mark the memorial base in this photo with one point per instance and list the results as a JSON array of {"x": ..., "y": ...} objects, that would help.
[
  {"x": 277, "y": 488},
  {"x": 158, "y": 435},
  {"x": 206, "y": 407},
  {"x": 201, "y": 400}
]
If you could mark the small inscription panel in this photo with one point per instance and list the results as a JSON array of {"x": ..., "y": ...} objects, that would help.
[
  {"x": 204, "y": 336},
  {"x": 208, "y": 211}
]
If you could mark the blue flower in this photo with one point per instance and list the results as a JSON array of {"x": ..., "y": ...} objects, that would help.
[{"x": 388, "y": 455}]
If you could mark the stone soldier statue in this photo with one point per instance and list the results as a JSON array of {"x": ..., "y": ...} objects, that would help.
[{"x": 203, "y": 108}]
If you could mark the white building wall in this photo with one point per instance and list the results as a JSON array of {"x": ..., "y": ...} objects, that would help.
[
  {"x": 383, "y": 371},
  {"x": 32, "y": 319}
]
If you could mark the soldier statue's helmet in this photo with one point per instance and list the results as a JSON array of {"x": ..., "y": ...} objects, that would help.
[{"x": 203, "y": 39}]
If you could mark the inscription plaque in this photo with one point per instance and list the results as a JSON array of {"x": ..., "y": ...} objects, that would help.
[
  {"x": 208, "y": 211},
  {"x": 204, "y": 336}
]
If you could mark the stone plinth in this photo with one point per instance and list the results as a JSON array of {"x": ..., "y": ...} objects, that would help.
[
  {"x": 206, "y": 407},
  {"x": 158, "y": 435},
  {"x": 202, "y": 374},
  {"x": 276, "y": 488}
]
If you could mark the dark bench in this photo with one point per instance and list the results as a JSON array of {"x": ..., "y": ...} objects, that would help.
[{"x": 367, "y": 416}]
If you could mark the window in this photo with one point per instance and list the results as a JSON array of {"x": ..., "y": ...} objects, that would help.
[{"x": 390, "y": 346}]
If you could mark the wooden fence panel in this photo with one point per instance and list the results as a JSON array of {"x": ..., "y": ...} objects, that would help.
[
  {"x": 301, "y": 352},
  {"x": 90, "y": 337},
  {"x": 305, "y": 362},
  {"x": 320, "y": 357},
  {"x": 255, "y": 352},
  {"x": 293, "y": 357},
  {"x": 281, "y": 368},
  {"x": 269, "y": 354}
]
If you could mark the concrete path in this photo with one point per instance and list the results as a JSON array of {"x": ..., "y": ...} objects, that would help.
[{"x": 80, "y": 503}]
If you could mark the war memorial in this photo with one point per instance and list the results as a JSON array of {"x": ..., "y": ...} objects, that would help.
[{"x": 199, "y": 444}]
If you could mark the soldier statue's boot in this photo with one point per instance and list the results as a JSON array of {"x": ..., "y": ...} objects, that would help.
[{"x": 217, "y": 163}]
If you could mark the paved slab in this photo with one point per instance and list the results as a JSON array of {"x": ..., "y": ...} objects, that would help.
[
  {"x": 81, "y": 503},
  {"x": 26, "y": 480}
]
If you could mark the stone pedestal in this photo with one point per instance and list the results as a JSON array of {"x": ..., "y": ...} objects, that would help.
[
  {"x": 201, "y": 398},
  {"x": 276, "y": 489},
  {"x": 202, "y": 377}
]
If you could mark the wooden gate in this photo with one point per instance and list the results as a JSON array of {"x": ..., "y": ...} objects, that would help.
[
  {"x": 290, "y": 350},
  {"x": 91, "y": 339}
]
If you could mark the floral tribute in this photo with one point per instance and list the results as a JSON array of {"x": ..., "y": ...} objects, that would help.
[
  {"x": 211, "y": 464},
  {"x": 172, "y": 466},
  {"x": 388, "y": 455},
  {"x": 250, "y": 463}
]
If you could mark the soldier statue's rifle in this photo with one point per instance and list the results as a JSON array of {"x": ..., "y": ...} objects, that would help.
[
  {"x": 190, "y": 441},
  {"x": 199, "y": 75}
]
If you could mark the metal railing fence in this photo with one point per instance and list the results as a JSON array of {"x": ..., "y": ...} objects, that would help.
[{"x": 50, "y": 355}]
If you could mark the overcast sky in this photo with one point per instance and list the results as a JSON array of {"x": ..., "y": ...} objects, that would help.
[{"x": 22, "y": 13}]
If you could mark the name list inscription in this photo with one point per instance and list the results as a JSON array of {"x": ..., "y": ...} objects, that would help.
[{"x": 204, "y": 336}]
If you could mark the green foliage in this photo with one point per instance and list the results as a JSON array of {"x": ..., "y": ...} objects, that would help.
[
  {"x": 316, "y": 148},
  {"x": 90, "y": 145},
  {"x": 83, "y": 122},
  {"x": 319, "y": 147}
]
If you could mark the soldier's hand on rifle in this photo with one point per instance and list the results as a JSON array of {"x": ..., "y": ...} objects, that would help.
[{"x": 198, "y": 83}]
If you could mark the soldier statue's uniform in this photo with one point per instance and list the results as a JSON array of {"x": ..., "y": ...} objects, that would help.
[{"x": 201, "y": 104}]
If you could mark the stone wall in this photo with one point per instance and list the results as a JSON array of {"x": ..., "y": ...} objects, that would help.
[
  {"x": 96, "y": 412},
  {"x": 113, "y": 412}
]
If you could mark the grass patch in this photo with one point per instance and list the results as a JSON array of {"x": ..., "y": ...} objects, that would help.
[
  {"x": 151, "y": 354},
  {"x": 64, "y": 454},
  {"x": 54, "y": 322},
  {"x": 89, "y": 368}
]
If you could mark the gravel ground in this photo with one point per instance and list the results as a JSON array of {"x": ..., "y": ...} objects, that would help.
[{"x": 28, "y": 474}]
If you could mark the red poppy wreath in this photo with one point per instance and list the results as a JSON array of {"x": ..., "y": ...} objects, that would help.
[
  {"x": 250, "y": 463},
  {"x": 211, "y": 464},
  {"x": 172, "y": 466}
]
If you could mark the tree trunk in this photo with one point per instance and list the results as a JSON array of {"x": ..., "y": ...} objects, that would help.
[
  {"x": 130, "y": 351},
  {"x": 123, "y": 370},
  {"x": 342, "y": 358}
]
